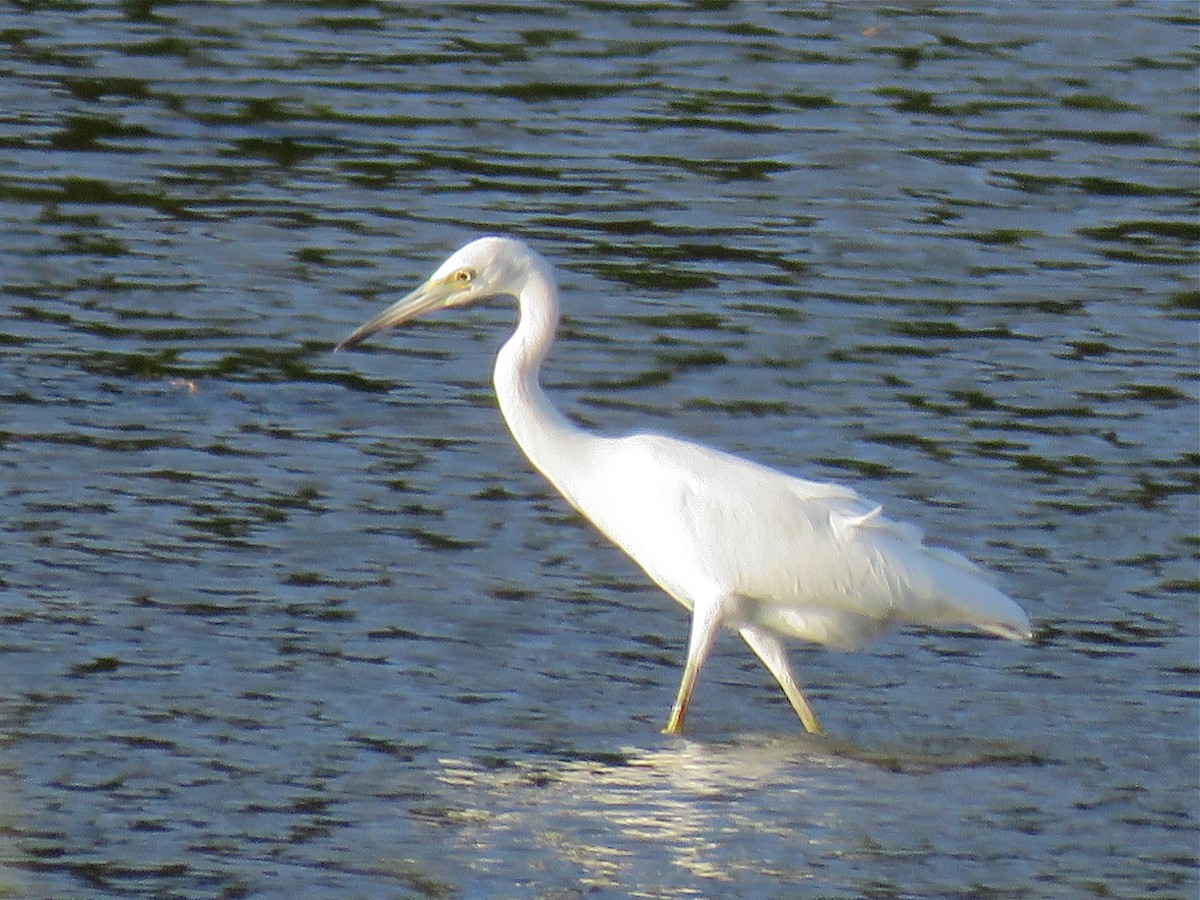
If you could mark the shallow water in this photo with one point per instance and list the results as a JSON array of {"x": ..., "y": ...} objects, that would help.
[{"x": 283, "y": 622}]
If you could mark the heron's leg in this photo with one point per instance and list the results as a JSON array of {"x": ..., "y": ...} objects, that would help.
[
  {"x": 706, "y": 619},
  {"x": 769, "y": 649}
]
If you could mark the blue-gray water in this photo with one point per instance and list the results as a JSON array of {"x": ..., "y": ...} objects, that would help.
[{"x": 283, "y": 623}]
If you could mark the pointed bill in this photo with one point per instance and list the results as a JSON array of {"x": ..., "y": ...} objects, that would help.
[{"x": 429, "y": 296}]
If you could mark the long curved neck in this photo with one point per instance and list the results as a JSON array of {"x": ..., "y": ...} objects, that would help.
[{"x": 555, "y": 446}]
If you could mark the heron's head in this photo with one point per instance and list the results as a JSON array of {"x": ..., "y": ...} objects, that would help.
[{"x": 483, "y": 268}]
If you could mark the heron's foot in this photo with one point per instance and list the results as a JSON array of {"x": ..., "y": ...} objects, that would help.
[
  {"x": 811, "y": 725},
  {"x": 674, "y": 721}
]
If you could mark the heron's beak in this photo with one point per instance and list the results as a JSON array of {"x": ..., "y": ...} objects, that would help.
[{"x": 431, "y": 295}]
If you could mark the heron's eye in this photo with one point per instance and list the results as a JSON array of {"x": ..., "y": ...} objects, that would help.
[{"x": 464, "y": 276}]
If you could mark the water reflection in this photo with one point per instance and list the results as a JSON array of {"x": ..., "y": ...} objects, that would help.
[
  {"x": 697, "y": 807},
  {"x": 676, "y": 803}
]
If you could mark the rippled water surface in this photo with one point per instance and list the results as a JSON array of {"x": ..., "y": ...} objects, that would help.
[{"x": 279, "y": 622}]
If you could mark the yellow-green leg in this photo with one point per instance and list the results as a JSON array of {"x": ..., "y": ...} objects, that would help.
[{"x": 770, "y": 651}]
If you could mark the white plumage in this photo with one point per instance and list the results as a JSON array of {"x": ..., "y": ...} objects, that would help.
[{"x": 740, "y": 545}]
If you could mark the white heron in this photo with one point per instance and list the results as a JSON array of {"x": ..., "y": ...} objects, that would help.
[{"x": 740, "y": 545}]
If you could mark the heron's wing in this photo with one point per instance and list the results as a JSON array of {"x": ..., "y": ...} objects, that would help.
[
  {"x": 851, "y": 526},
  {"x": 813, "y": 559}
]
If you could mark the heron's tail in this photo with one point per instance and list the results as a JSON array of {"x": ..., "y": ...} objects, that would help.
[
  {"x": 943, "y": 587},
  {"x": 966, "y": 597}
]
